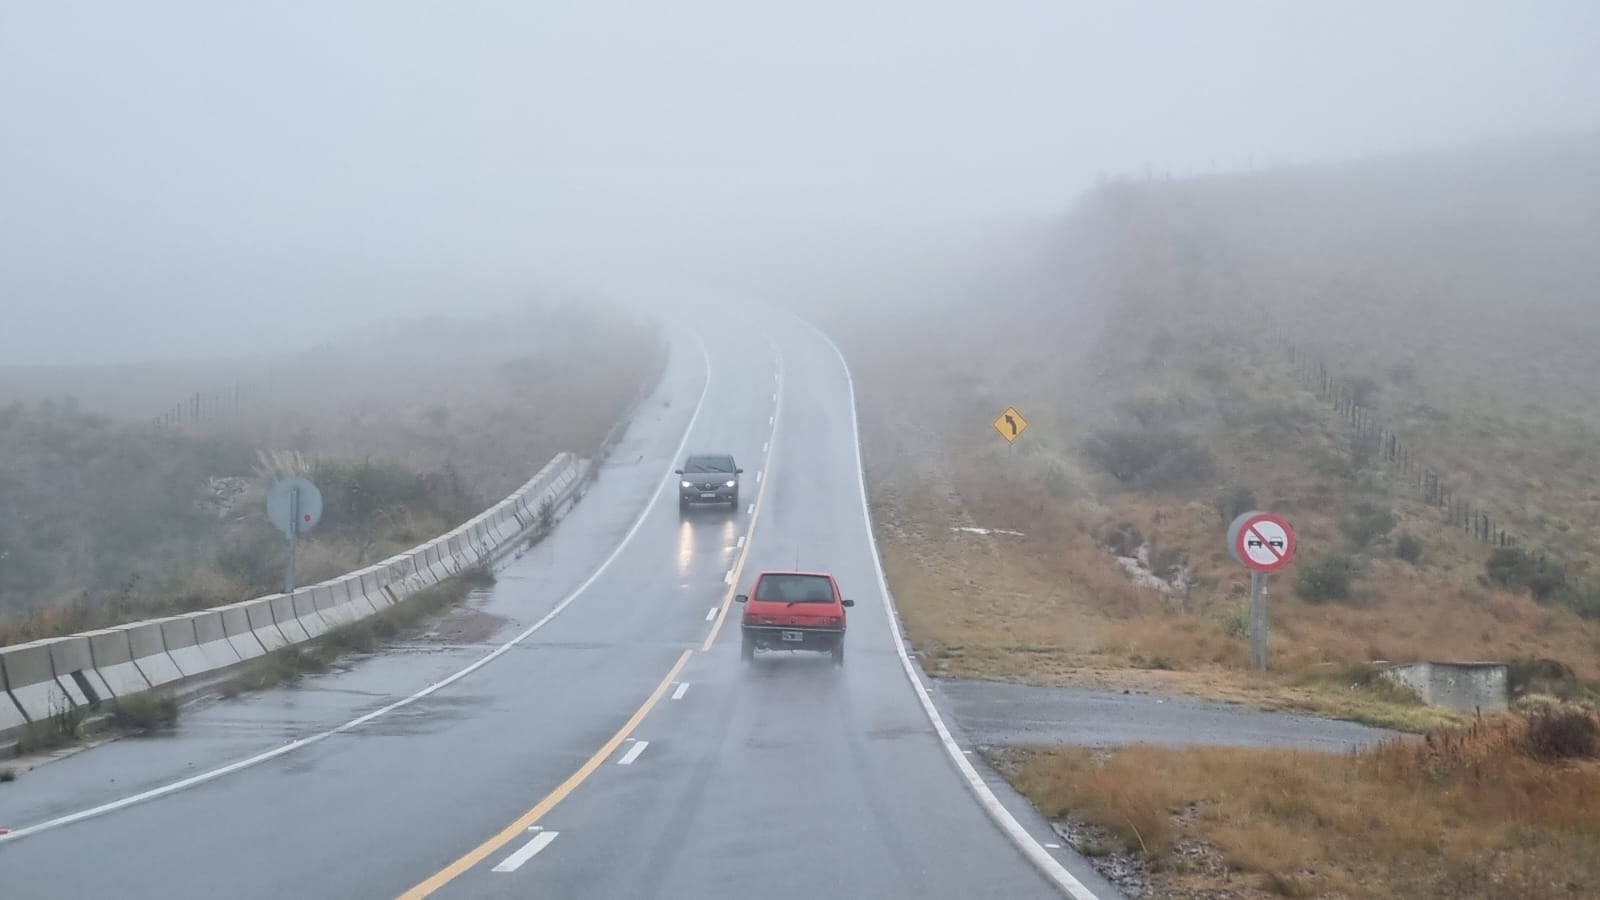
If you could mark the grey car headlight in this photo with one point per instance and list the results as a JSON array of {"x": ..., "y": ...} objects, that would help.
[
  {"x": 686, "y": 484},
  {"x": 729, "y": 484}
]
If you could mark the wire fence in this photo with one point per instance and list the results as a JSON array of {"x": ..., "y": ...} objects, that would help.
[
  {"x": 1373, "y": 438},
  {"x": 200, "y": 407}
]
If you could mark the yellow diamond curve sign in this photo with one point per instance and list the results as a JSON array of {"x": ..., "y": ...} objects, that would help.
[{"x": 1011, "y": 424}]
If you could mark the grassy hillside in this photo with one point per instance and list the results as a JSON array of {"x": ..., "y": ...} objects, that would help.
[
  {"x": 408, "y": 432},
  {"x": 1149, "y": 350}
]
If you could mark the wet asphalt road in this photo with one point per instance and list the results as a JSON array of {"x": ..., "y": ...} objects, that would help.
[
  {"x": 1007, "y": 714},
  {"x": 788, "y": 778}
]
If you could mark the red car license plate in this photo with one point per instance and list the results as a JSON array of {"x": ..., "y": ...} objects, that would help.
[{"x": 794, "y": 635}]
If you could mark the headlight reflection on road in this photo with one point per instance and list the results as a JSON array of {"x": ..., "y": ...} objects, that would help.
[
  {"x": 726, "y": 539},
  {"x": 685, "y": 547}
]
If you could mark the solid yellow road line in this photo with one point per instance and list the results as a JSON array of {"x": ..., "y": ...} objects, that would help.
[
  {"x": 750, "y": 533},
  {"x": 520, "y": 826}
]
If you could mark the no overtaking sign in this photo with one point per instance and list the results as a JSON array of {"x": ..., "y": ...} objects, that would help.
[{"x": 1261, "y": 541}]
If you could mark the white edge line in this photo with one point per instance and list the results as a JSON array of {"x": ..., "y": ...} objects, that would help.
[
  {"x": 751, "y": 510},
  {"x": 727, "y": 577},
  {"x": 633, "y": 753},
  {"x": 764, "y": 446},
  {"x": 741, "y": 542},
  {"x": 1036, "y": 854},
  {"x": 528, "y": 851},
  {"x": 758, "y": 477},
  {"x": 239, "y": 765},
  {"x": 713, "y": 613},
  {"x": 683, "y": 688}
]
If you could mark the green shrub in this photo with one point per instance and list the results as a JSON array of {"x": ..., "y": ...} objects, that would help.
[
  {"x": 351, "y": 637},
  {"x": 1125, "y": 540},
  {"x": 1363, "y": 389},
  {"x": 1518, "y": 569},
  {"x": 1542, "y": 676},
  {"x": 284, "y": 665},
  {"x": 366, "y": 494},
  {"x": 1211, "y": 373},
  {"x": 1585, "y": 601},
  {"x": 1234, "y": 621},
  {"x": 144, "y": 714},
  {"x": 1367, "y": 524},
  {"x": 1235, "y": 503},
  {"x": 1328, "y": 579},
  {"x": 1561, "y": 734},
  {"x": 63, "y": 727},
  {"x": 1150, "y": 457},
  {"x": 255, "y": 561},
  {"x": 1153, "y": 405},
  {"x": 1408, "y": 547}
]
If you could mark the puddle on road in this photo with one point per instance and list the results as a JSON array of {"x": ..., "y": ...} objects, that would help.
[
  {"x": 426, "y": 716},
  {"x": 891, "y": 734},
  {"x": 466, "y": 623}
]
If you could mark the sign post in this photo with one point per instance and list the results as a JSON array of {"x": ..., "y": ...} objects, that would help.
[
  {"x": 1264, "y": 543},
  {"x": 294, "y": 506}
]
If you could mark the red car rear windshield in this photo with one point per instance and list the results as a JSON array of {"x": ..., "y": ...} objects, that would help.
[{"x": 794, "y": 589}]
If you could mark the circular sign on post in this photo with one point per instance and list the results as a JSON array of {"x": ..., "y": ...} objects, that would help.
[
  {"x": 292, "y": 514},
  {"x": 1261, "y": 541}
]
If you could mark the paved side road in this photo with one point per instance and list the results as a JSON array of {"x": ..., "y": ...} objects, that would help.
[{"x": 999, "y": 713}]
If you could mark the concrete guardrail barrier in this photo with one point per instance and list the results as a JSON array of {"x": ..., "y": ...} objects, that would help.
[
  {"x": 196, "y": 655},
  {"x": 150, "y": 653},
  {"x": 31, "y": 680},
  {"x": 236, "y": 625},
  {"x": 113, "y": 660},
  {"x": 74, "y": 668}
]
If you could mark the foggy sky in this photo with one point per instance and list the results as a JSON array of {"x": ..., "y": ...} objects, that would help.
[{"x": 174, "y": 173}]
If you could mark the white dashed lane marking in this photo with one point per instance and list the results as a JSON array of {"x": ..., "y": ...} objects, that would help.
[{"x": 528, "y": 851}]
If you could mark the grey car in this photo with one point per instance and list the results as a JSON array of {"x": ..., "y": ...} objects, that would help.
[{"x": 708, "y": 478}]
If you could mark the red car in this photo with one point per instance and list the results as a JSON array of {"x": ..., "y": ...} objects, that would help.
[{"x": 793, "y": 611}]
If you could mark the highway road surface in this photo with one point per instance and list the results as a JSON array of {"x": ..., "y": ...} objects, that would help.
[{"x": 604, "y": 740}]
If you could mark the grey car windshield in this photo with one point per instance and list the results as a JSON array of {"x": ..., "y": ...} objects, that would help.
[
  {"x": 716, "y": 464},
  {"x": 795, "y": 589}
]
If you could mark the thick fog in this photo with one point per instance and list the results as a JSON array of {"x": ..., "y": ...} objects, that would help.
[{"x": 182, "y": 178}]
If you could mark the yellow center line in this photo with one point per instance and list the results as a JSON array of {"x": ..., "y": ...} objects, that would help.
[
  {"x": 531, "y": 817},
  {"x": 520, "y": 826},
  {"x": 750, "y": 533}
]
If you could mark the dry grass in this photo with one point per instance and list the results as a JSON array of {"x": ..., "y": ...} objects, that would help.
[
  {"x": 1180, "y": 271},
  {"x": 1482, "y": 811}
]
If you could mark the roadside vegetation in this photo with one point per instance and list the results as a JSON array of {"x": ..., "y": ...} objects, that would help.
[
  {"x": 1150, "y": 356},
  {"x": 287, "y": 665},
  {"x": 1504, "y": 807},
  {"x": 105, "y": 518}
]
